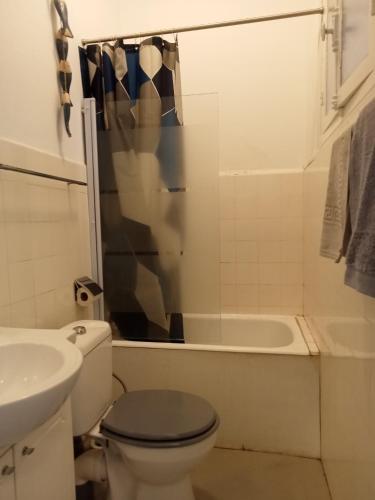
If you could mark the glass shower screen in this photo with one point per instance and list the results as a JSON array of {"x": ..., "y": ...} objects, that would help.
[{"x": 158, "y": 238}]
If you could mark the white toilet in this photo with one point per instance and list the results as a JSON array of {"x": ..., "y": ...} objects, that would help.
[{"x": 153, "y": 438}]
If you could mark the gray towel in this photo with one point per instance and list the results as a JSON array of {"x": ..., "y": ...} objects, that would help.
[
  {"x": 333, "y": 241},
  {"x": 360, "y": 258}
]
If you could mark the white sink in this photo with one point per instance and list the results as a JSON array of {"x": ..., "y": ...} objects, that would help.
[{"x": 38, "y": 370}]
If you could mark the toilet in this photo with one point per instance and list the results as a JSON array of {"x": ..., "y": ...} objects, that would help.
[{"x": 151, "y": 439}]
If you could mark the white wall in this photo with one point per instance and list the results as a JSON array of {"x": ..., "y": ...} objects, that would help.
[
  {"x": 264, "y": 74},
  {"x": 343, "y": 321},
  {"x": 43, "y": 224},
  {"x": 265, "y": 78},
  {"x": 29, "y": 92}
]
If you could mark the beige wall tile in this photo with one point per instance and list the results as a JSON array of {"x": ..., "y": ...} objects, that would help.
[
  {"x": 247, "y": 185},
  {"x": 246, "y": 207},
  {"x": 227, "y": 185},
  {"x": 292, "y": 251},
  {"x": 15, "y": 201},
  {"x": 291, "y": 206},
  {"x": 228, "y": 273},
  {"x": 270, "y": 274},
  {"x": 41, "y": 222},
  {"x": 247, "y": 273},
  {"x": 4, "y": 284},
  {"x": 229, "y": 309},
  {"x": 23, "y": 314},
  {"x": 227, "y": 230},
  {"x": 269, "y": 295},
  {"x": 44, "y": 239},
  {"x": 291, "y": 295},
  {"x": 246, "y": 251},
  {"x": 270, "y": 251},
  {"x": 247, "y": 295},
  {"x": 269, "y": 199},
  {"x": 227, "y": 207},
  {"x": 246, "y": 229},
  {"x": 265, "y": 237},
  {"x": 18, "y": 238},
  {"x": 5, "y": 316},
  {"x": 292, "y": 274},
  {"x": 46, "y": 310},
  {"x": 21, "y": 281},
  {"x": 270, "y": 229},
  {"x": 45, "y": 274},
  {"x": 228, "y": 251},
  {"x": 228, "y": 295},
  {"x": 292, "y": 228},
  {"x": 39, "y": 203}
]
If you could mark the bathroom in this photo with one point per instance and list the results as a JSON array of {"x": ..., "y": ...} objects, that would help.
[{"x": 271, "y": 338}]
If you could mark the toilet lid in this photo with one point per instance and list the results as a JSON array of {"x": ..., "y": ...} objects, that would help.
[{"x": 159, "y": 416}]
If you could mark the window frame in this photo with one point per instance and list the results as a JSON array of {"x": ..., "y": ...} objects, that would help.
[
  {"x": 346, "y": 90},
  {"x": 328, "y": 48},
  {"x": 332, "y": 41}
]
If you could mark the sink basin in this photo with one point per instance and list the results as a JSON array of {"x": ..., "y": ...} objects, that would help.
[{"x": 37, "y": 373}]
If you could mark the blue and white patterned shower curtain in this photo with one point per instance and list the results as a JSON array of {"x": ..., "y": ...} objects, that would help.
[{"x": 139, "y": 117}]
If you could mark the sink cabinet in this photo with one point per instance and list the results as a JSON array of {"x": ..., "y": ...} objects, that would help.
[
  {"x": 43, "y": 463},
  {"x": 7, "y": 476}
]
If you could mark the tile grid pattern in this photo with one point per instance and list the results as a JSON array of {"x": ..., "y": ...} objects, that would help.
[
  {"x": 44, "y": 246},
  {"x": 261, "y": 243}
]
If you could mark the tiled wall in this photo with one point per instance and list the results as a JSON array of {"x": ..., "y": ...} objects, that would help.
[
  {"x": 342, "y": 321},
  {"x": 261, "y": 242},
  {"x": 44, "y": 246}
]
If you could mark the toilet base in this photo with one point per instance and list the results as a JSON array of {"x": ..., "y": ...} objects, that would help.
[
  {"x": 181, "y": 490},
  {"x": 137, "y": 473}
]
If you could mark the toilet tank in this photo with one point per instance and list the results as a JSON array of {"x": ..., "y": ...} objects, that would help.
[{"x": 92, "y": 394}]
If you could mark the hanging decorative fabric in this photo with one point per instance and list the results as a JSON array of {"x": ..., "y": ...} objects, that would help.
[
  {"x": 65, "y": 72},
  {"x": 137, "y": 90}
]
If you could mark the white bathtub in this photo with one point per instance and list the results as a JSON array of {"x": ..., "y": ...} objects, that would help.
[
  {"x": 236, "y": 333},
  {"x": 255, "y": 370}
]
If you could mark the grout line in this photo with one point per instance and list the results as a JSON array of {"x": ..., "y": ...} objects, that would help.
[
  {"x": 326, "y": 480},
  {"x": 254, "y": 172},
  {"x": 284, "y": 454}
]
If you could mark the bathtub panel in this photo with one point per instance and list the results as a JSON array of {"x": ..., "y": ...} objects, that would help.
[
  {"x": 283, "y": 411},
  {"x": 265, "y": 402}
]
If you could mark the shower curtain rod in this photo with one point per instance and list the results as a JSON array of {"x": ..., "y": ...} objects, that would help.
[{"x": 199, "y": 27}]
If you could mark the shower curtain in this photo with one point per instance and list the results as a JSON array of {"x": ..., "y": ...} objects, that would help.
[{"x": 139, "y": 119}]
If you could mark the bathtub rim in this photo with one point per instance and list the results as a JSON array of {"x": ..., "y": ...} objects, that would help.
[{"x": 299, "y": 340}]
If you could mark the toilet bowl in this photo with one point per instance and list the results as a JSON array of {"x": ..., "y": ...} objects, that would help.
[
  {"x": 162, "y": 473},
  {"x": 152, "y": 438}
]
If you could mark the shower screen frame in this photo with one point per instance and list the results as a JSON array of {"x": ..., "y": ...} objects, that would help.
[{"x": 93, "y": 195}]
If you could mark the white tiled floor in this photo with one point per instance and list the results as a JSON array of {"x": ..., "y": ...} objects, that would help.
[{"x": 242, "y": 475}]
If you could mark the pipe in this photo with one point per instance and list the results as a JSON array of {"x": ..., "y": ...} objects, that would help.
[
  {"x": 199, "y": 27},
  {"x": 91, "y": 466}
]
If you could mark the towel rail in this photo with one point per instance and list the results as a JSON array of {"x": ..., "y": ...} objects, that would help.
[{"x": 41, "y": 174}]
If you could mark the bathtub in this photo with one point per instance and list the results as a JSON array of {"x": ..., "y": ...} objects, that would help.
[
  {"x": 256, "y": 370},
  {"x": 236, "y": 333}
]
